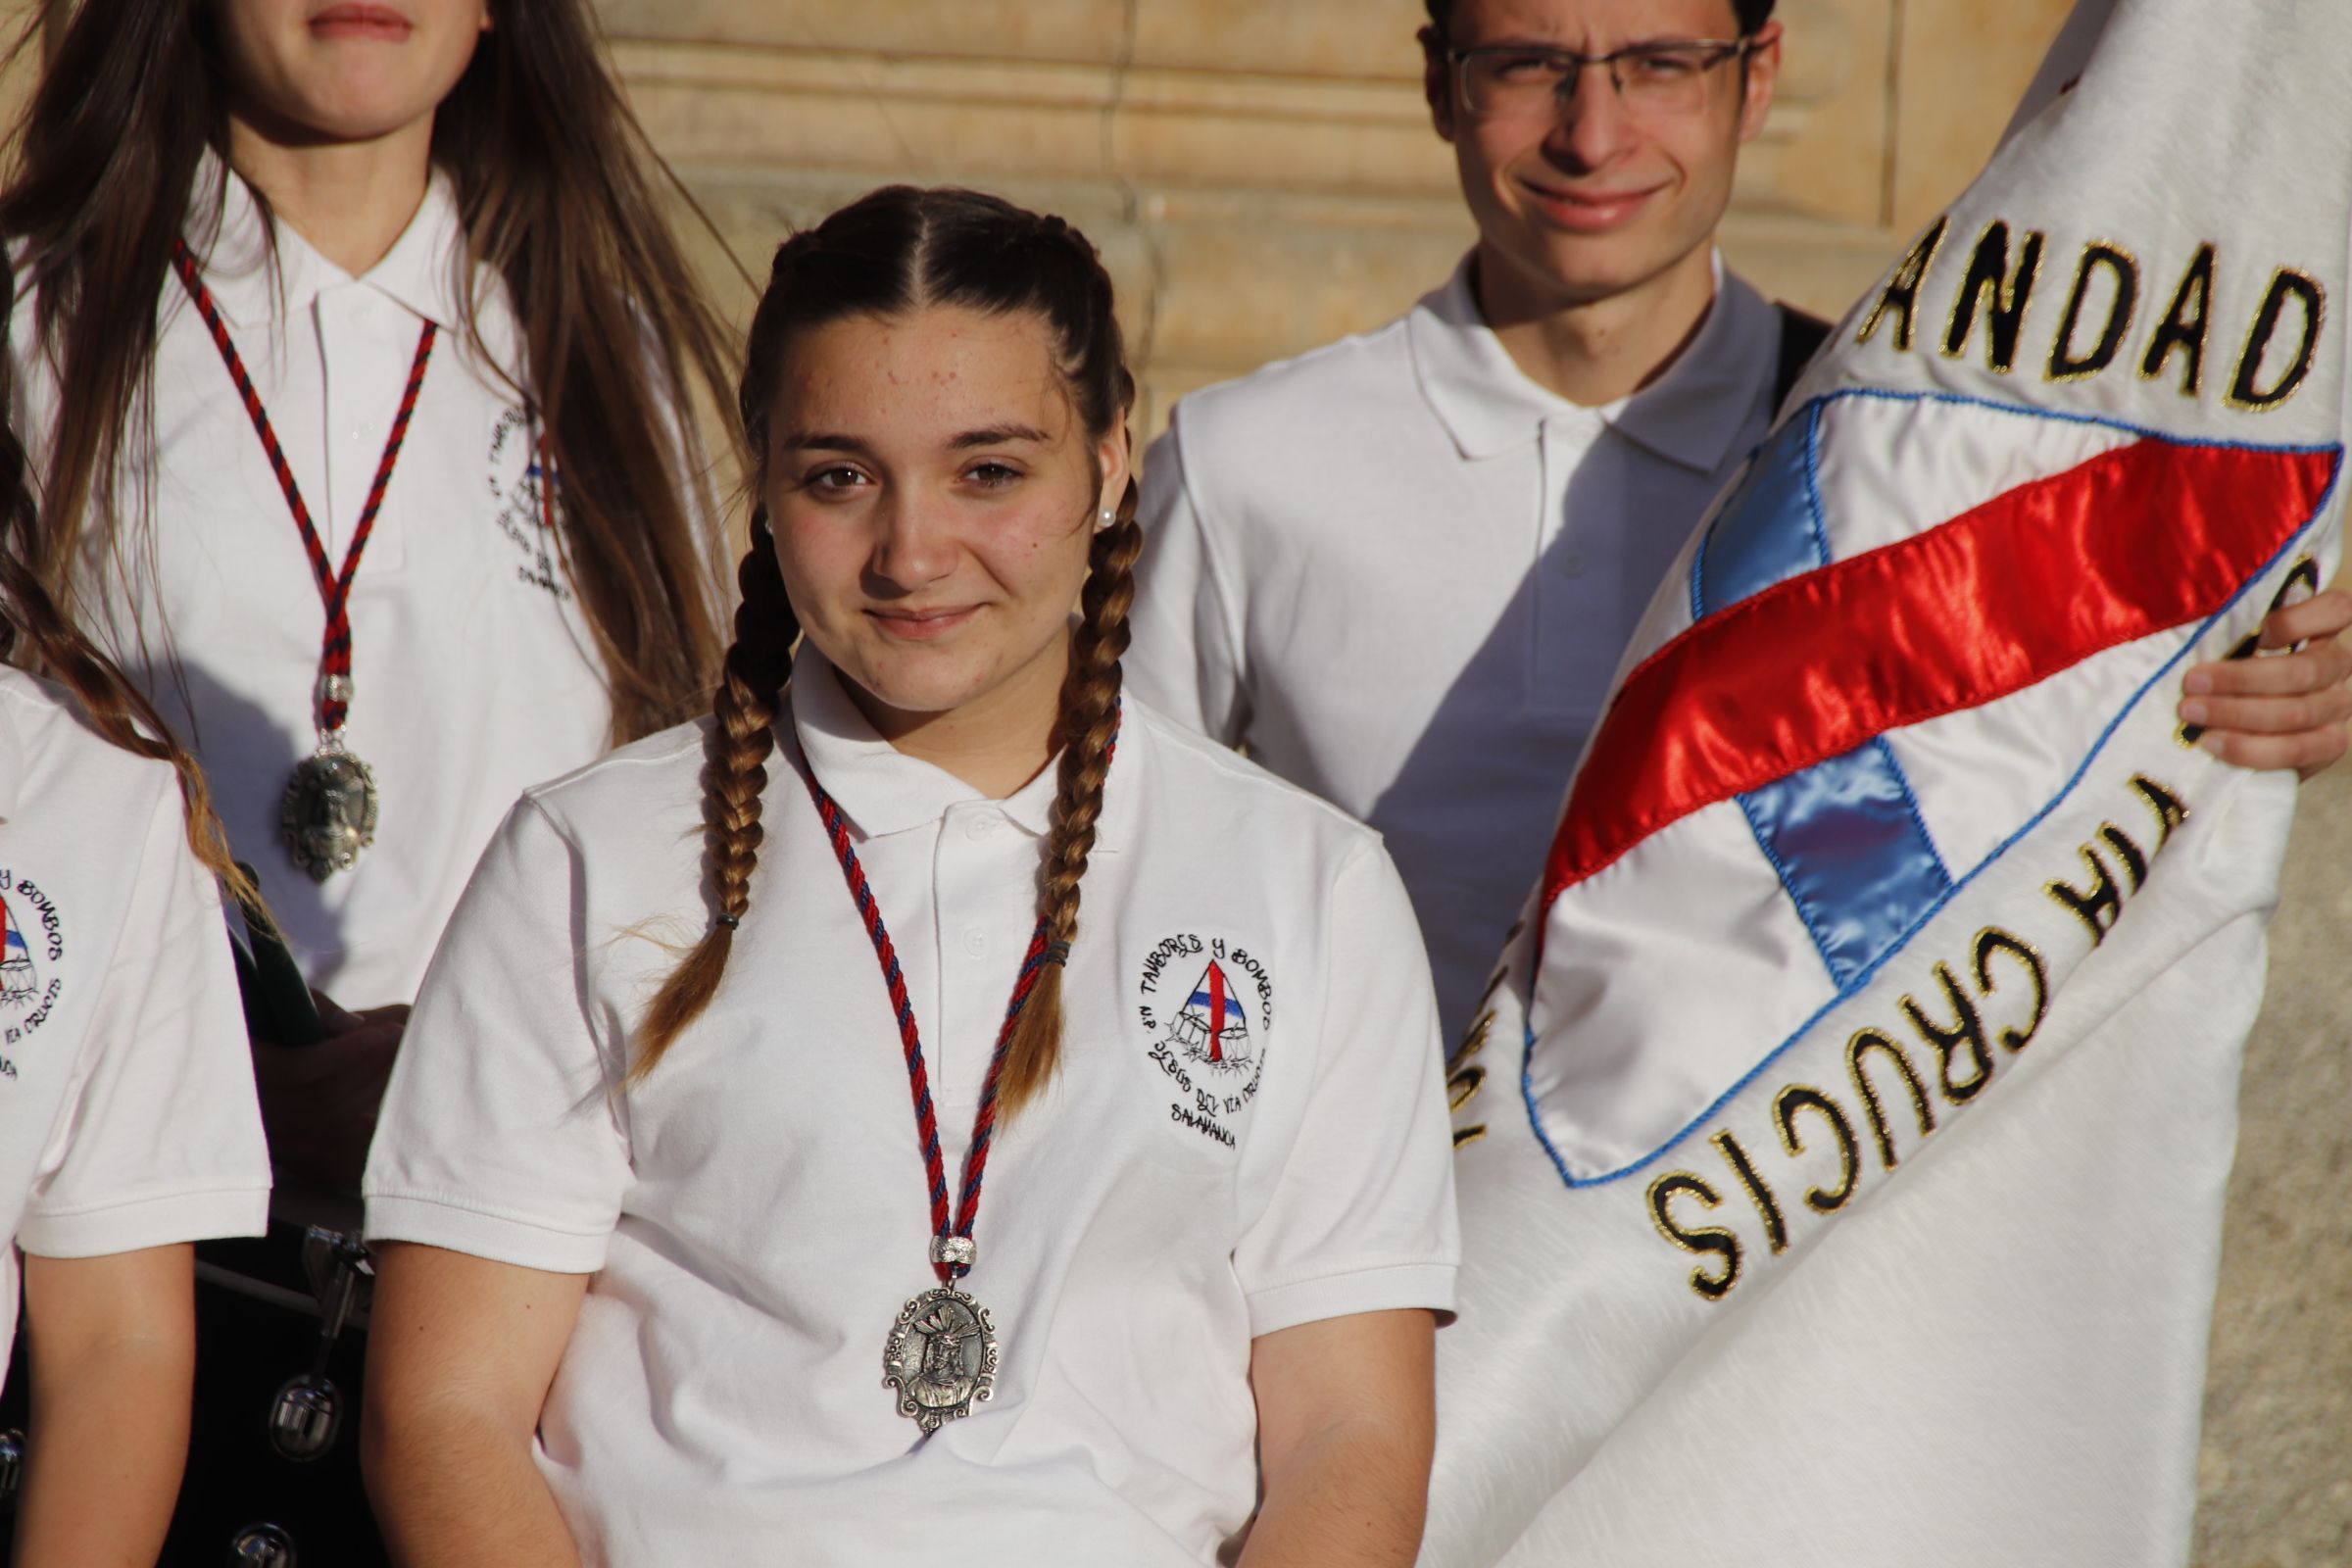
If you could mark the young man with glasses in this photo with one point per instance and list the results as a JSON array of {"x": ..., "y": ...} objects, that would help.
[{"x": 1402, "y": 569}]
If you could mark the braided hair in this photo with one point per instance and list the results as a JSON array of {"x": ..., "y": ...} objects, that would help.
[{"x": 892, "y": 252}]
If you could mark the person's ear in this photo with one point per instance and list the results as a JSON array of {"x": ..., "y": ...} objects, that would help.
[
  {"x": 1114, "y": 460},
  {"x": 1437, "y": 82},
  {"x": 1763, "y": 76}
]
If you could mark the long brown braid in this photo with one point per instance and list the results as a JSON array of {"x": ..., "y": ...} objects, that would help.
[
  {"x": 1087, "y": 723},
  {"x": 889, "y": 254},
  {"x": 37, "y": 637},
  {"x": 742, "y": 737}
]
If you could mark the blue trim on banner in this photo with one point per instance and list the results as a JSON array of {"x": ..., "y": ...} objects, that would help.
[{"x": 2098, "y": 745}]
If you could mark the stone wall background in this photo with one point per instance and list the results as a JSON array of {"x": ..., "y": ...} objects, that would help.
[
  {"x": 1261, "y": 179},
  {"x": 1261, "y": 176}
]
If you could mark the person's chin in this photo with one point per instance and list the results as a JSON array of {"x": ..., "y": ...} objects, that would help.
[
  {"x": 922, "y": 677},
  {"x": 1577, "y": 270},
  {"x": 359, "y": 114}
]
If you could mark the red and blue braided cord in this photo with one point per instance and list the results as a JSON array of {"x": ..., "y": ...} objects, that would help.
[
  {"x": 911, "y": 1040},
  {"x": 334, "y": 588}
]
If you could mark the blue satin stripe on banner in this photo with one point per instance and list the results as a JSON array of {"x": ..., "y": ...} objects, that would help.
[
  {"x": 1844, "y": 835},
  {"x": 1765, "y": 533},
  {"x": 1852, "y": 851}
]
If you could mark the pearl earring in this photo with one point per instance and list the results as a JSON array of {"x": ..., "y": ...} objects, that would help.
[{"x": 1105, "y": 518}]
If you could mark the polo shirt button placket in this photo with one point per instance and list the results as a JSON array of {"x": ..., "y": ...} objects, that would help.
[{"x": 1564, "y": 444}]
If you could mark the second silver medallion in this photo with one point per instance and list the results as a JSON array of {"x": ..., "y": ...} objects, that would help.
[{"x": 327, "y": 814}]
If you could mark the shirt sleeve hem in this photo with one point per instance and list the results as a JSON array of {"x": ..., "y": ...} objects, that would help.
[
  {"x": 146, "y": 1222},
  {"x": 500, "y": 1238},
  {"x": 1394, "y": 1287}
]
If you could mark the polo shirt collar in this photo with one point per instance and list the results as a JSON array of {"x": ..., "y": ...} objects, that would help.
[
  {"x": 421, "y": 272},
  {"x": 1690, "y": 415},
  {"x": 885, "y": 791},
  {"x": 1697, "y": 411}
]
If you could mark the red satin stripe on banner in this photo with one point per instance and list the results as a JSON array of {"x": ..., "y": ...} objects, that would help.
[{"x": 2151, "y": 536}]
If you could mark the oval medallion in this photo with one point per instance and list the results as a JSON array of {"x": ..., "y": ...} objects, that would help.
[
  {"x": 941, "y": 1359},
  {"x": 327, "y": 814}
]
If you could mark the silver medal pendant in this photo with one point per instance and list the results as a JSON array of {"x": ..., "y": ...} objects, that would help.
[
  {"x": 327, "y": 814},
  {"x": 942, "y": 1358}
]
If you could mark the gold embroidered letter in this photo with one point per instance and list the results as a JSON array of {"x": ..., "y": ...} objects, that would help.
[
  {"x": 1703, "y": 1240},
  {"x": 2097, "y": 909},
  {"x": 1796, "y": 1097},
  {"x": 1776, "y": 1230},
  {"x": 1901, "y": 295},
  {"x": 1861, "y": 1045},
  {"x": 2168, "y": 807},
  {"x": 2065, "y": 366},
  {"x": 1992, "y": 940},
  {"x": 2011, "y": 294},
  {"x": 1966, "y": 1034},
  {"x": 2185, "y": 328},
  {"x": 2310, "y": 303}
]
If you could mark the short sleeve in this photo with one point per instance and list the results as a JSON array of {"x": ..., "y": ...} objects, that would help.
[
  {"x": 1361, "y": 1217},
  {"x": 159, "y": 1137},
  {"x": 1186, "y": 657},
  {"x": 500, "y": 1134}
]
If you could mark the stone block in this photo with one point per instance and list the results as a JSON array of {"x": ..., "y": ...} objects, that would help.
[
  {"x": 1962, "y": 72},
  {"x": 1080, "y": 31}
]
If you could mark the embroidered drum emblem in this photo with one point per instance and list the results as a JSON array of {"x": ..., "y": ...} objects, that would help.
[
  {"x": 33, "y": 944},
  {"x": 1212, "y": 1027},
  {"x": 19, "y": 984},
  {"x": 525, "y": 492},
  {"x": 1208, "y": 1037}
]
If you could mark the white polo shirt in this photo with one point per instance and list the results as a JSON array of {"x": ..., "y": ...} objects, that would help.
[
  {"x": 126, "y": 1107},
  {"x": 1401, "y": 573},
  {"x": 756, "y": 1209},
  {"x": 474, "y": 673}
]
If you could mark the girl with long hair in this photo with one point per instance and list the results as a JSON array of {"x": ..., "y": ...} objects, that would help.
[
  {"x": 353, "y": 347},
  {"x": 355, "y": 355},
  {"x": 127, "y": 1122},
  {"x": 685, "y": 1251}
]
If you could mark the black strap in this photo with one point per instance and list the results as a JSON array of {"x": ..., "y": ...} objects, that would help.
[{"x": 1801, "y": 337}]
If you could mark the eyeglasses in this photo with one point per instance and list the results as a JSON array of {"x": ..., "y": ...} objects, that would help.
[{"x": 1527, "y": 82}]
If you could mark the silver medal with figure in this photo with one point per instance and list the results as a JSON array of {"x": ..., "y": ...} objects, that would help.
[
  {"x": 942, "y": 1358},
  {"x": 327, "y": 814}
]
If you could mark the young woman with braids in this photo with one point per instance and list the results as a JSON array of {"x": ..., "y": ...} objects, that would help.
[
  {"x": 383, "y": 502},
  {"x": 127, "y": 1122},
  {"x": 1015, "y": 1139}
]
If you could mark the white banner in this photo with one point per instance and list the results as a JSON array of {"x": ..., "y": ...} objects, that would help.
[{"x": 1842, "y": 1145}]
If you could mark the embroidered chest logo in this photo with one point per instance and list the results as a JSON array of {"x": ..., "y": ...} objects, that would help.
[
  {"x": 32, "y": 943},
  {"x": 1208, "y": 1009},
  {"x": 524, "y": 489}
]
